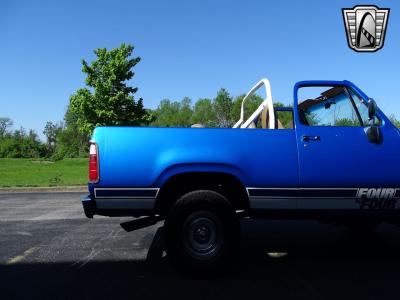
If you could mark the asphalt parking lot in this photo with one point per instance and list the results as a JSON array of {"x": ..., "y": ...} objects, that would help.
[{"x": 48, "y": 249}]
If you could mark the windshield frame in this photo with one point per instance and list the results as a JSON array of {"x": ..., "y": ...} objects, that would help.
[{"x": 331, "y": 83}]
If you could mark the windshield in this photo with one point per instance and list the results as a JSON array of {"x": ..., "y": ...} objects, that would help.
[{"x": 331, "y": 107}]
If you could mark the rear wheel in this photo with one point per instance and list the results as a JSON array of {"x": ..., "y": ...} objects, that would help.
[{"x": 202, "y": 232}]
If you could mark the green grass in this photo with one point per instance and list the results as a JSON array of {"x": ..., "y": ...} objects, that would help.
[{"x": 36, "y": 173}]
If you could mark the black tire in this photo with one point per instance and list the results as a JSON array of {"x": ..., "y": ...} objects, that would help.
[{"x": 202, "y": 233}]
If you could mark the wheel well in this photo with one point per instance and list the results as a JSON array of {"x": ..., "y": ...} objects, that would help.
[{"x": 180, "y": 184}]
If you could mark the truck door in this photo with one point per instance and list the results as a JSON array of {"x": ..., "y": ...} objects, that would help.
[{"x": 339, "y": 166}]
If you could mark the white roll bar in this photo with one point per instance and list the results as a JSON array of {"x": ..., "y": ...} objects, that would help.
[{"x": 266, "y": 103}]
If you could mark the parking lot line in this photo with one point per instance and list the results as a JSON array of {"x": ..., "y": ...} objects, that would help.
[{"x": 18, "y": 258}]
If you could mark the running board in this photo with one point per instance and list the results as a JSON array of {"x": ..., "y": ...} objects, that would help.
[{"x": 140, "y": 223}]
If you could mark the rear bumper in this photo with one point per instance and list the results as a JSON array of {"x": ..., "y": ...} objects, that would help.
[
  {"x": 116, "y": 207},
  {"x": 89, "y": 206}
]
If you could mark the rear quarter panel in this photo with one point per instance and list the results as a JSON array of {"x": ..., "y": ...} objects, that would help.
[{"x": 147, "y": 157}]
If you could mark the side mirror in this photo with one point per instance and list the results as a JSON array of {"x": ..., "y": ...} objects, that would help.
[
  {"x": 372, "y": 108},
  {"x": 373, "y": 133}
]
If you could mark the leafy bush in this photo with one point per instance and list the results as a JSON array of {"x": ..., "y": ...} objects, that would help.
[{"x": 20, "y": 144}]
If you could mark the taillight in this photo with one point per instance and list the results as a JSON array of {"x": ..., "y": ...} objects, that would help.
[{"x": 93, "y": 163}]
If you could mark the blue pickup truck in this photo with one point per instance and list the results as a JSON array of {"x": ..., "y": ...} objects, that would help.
[{"x": 333, "y": 156}]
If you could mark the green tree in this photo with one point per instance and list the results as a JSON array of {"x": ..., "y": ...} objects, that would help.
[
  {"x": 5, "y": 124},
  {"x": 108, "y": 100},
  {"x": 203, "y": 113},
  {"x": 165, "y": 114},
  {"x": 347, "y": 122},
  {"x": 70, "y": 142},
  {"x": 286, "y": 118},
  {"x": 394, "y": 121},
  {"x": 51, "y": 130},
  {"x": 185, "y": 112},
  {"x": 20, "y": 144},
  {"x": 222, "y": 108},
  {"x": 251, "y": 104},
  {"x": 173, "y": 114}
]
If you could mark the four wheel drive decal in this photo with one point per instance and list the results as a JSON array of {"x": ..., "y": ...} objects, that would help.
[
  {"x": 380, "y": 193},
  {"x": 362, "y": 198},
  {"x": 380, "y": 198},
  {"x": 368, "y": 203}
]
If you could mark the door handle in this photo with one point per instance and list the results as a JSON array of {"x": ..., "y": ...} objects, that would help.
[{"x": 307, "y": 138}]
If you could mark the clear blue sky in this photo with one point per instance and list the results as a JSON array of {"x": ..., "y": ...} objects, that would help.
[{"x": 188, "y": 48}]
